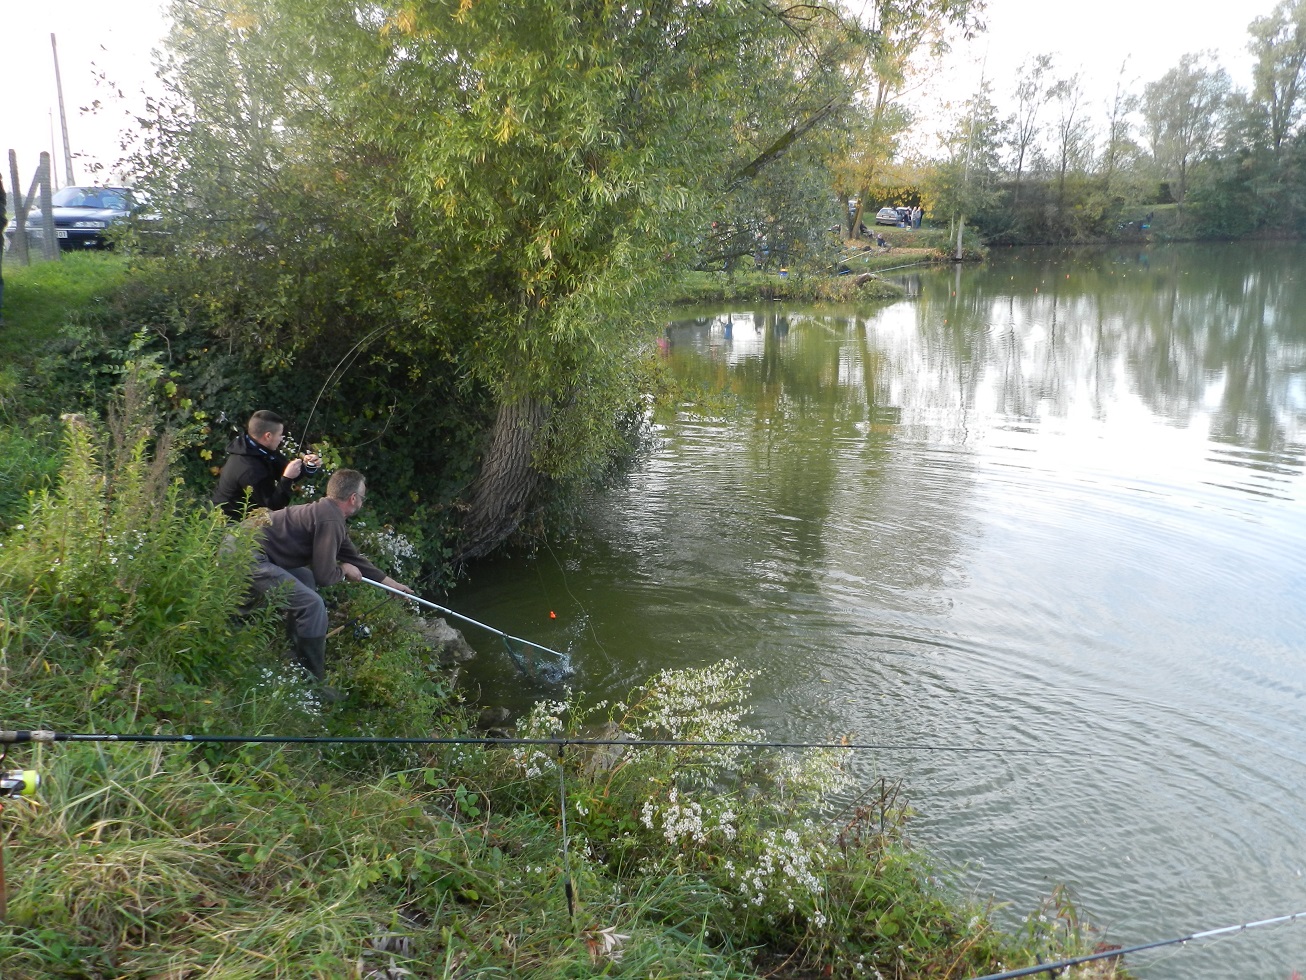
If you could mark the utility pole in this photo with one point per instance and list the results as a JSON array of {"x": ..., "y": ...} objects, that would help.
[
  {"x": 54, "y": 175},
  {"x": 63, "y": 117}
]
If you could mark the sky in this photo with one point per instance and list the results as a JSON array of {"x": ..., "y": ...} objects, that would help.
[
  {"x": 1095, "y": 38},
  {"x": 114, "y": 38}
]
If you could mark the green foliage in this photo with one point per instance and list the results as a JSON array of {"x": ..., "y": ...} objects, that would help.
[
  {"x": 494, "y": 241},
  {"x": 1183, "y": 112},
  {"x": 120, "y": 558},
  {"x": 1279, "y": 44},
  {"x": 28, "y": 464},
  {"x": 386, "y": 413},
  {"x": 752, "y": 830},
  {"x": 1222, "y": 202}
]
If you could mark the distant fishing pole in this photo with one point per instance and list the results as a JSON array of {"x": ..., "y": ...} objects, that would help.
[
  {"x": 41, "y": 736},
  {"x": 550, "y": 673},
  {"x": 1106, "y": 954}
]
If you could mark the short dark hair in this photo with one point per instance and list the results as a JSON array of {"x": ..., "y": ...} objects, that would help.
[
  {"x": 263, "y": 422},
  {"x": 344, "y": 484}
]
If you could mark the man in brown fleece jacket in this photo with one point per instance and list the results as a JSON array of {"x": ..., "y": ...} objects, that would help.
[{"x": 306, "y": 546}]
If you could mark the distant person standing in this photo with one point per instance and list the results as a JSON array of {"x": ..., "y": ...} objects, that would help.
[
  {"x": 916, "y": 216},
  {"x": 4, "y": 221},
  {"x": 256, "y": 474}
]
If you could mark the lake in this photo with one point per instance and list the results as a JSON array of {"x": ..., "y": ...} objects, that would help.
[{"x": 1050, "y": 503}]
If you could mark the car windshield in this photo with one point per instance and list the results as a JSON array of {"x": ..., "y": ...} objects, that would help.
[{"x": 115, "y": 198}]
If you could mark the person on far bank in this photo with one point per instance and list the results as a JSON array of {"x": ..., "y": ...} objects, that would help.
[
  {"x": 4, "y": 221},
  {"x": 306, "y": 546},
  {"x": 256, "y": 473}
]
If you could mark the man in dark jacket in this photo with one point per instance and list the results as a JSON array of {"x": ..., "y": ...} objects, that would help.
[
  {"x": 307, "y": 545},
  {"x": 256, "y": 474}
]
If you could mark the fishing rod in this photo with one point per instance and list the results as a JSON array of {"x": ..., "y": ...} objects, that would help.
[
  {"x": 332, "y": 379},
  {"x": 1191, "y": 937},
  {"x": 551, "y": 673},
  {"x": 44, "y": 736}
]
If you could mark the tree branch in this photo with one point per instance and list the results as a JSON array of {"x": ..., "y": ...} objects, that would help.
[{"x": 781, "y": 145}]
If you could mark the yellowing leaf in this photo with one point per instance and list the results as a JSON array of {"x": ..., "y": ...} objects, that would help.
[{"x": 404, "y": 21}]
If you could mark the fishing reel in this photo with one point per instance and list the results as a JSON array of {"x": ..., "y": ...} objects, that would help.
[
  {"x": 18, "y": 782},
  {"x": 312, "y": 464}
]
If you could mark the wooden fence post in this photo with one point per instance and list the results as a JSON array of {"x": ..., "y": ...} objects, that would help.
[
  {"x": 23, "y": 205},
  {"x": 49, "y": 244},
  {"x": 20, "y": 213}
]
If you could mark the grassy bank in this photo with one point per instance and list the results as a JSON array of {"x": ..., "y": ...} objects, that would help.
[
  {"x": 39, "y": 298},
  {"x": 223, "y": 861},
  {"x": 859, "y": 260},
  {"x": 720, "y": 287}
]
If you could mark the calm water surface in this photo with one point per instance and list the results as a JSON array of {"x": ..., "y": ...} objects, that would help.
[{"x": 1055, "y": 502}]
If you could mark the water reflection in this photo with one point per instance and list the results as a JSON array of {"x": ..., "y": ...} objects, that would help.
[
  {"x": 1053, "y": 502},
  {"x": 1194, "y": 333}
]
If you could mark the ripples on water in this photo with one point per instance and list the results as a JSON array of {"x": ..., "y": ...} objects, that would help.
[{"x": 1053, "y": 503}]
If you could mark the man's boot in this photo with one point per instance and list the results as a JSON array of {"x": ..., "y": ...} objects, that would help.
[{"x": 311, "y": 652}]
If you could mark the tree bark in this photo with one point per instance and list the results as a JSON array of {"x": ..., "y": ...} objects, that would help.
[{"x": 508, "y": 481}]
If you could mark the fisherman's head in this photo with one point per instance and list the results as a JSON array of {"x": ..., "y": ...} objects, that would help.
[
  {"x": 266, "y": 428},
  {"x": 348, "y": 489}
]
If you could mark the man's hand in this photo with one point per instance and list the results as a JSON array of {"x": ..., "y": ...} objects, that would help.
[
  {"x": 396, "y": 585},
  {"x": 352, "y": 574},
  {"x": 293, "y": 469}
]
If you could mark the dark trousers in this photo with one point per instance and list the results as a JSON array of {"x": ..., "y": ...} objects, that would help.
[{"x": 305, "y": 610}]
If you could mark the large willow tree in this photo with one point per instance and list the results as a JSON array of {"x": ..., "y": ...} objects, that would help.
[{"x": 489, "y": 184}]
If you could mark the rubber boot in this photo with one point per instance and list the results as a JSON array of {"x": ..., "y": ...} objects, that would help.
[{"x": 311, "y": 652}]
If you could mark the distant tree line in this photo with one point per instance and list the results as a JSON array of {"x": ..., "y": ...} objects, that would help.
[{"x": 1189, "y": 151}]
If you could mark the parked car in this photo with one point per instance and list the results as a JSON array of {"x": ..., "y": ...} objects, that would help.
[
  {"x": 81, "y": 216},
  {"x": 888, "y": 216}
]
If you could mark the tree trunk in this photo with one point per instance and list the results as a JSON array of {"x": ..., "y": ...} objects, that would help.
[{"x": 507, "y": 482}]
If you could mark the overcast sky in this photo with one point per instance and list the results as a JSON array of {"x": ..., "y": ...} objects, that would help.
[{"x": 114, "y": 38}]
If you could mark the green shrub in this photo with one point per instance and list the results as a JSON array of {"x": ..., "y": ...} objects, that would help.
[{"x": 124, "y": 558}]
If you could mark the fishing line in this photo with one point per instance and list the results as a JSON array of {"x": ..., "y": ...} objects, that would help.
[
  {"x": 589, "y": 620},
  {"x": 1192, "y": 937},
  {"x": 331, "y": 378}
]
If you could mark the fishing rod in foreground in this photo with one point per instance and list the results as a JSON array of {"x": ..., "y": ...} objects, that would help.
[
  {"x": 43, "y": 736},
  {"x": 1059, "y": 965}
]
